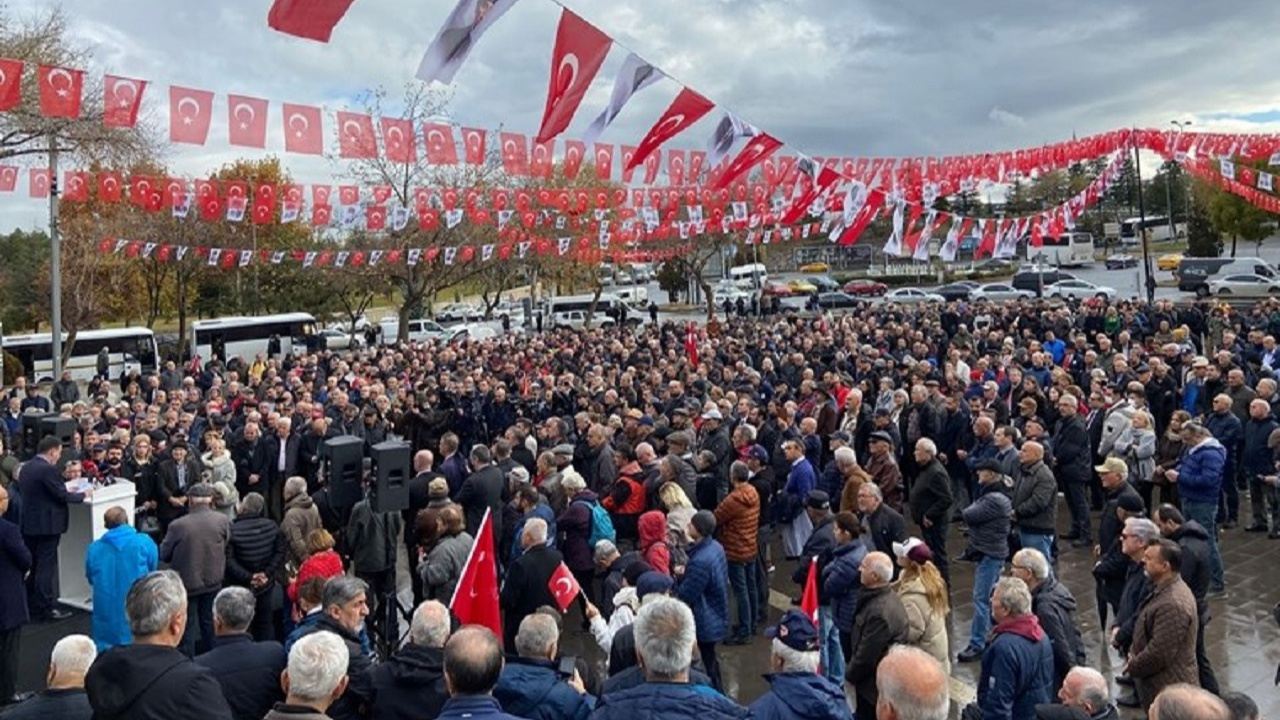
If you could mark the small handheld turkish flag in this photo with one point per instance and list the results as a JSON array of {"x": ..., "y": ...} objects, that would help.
[
  {"x": 475, "y": 600},
  {"x": 809, "y": 600},
  {"x": 564, "y": 587}
]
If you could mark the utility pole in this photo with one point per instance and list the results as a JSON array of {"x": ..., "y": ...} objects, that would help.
[
  {"x": 55, "y": 261},
  {"x": 1169, "y": 177},
  {"x": 1142, "y": 227}
]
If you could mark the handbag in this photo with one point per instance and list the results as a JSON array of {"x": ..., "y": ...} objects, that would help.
[{"x": 145, "y": 521}]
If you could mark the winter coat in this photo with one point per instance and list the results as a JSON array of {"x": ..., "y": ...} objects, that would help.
[
  {"x": 473, "y": 707},
  {"x": 1256, "y": 458},
  {"x": 373, "y": 538},
  {"x": 1164, "y": 640},
  {"x": 926, "y": 629},
  {"x": 1200, "y": 472},
  {"x": 526, "y": 588},
  {"x": 359, "y": 691},
  {"x": 152, "y": 682},
  {"x": 300, "y": 517},
  {"x": 410, "y": 685},
  {"x": 988, "y": 519},
  {"x": 1135, "y": 590},
  {"x": 65, "y": 704},
  {"x": 885, "y": 526},
  {"x": 931, "y": 495},
  {"x": 533, "y": 689},
  {"x": 801, "y": 696},
  {"x": 443, "y": 568},
  {"x": 256, "y": 546},
  {"x": 800, "y": 480},
  {"x": 1054, "y": 606},
  {"x": 112, "y": 563},
  {"x": 738, "y": 523},
  {"x": 1138, "y": 448},
  {"x": 574, "y": 525},
  {"x": 884, "y": 472},
  {"x": 218, "y": 469},
  {"x": 598, "y": 468},
  {"x": 196, "y": 547},
  {"x": 705, "y": 589},
  {"x": 293, "y": 712},
  {"x": 668, "y": 701},
  {"x": 1229, "y": 431},
  {"x": 1035, "y": 499},
  {"x": 1017, "y": 670},
  {"x": 653, "y": 541},
  {"x": 1196, "y": 568},
  {"x": 15, "y": 561},
  {"x": 879, "y": 624},
  {"x": 249, "y": 673},
  {"x": 1072, "y": 451},
  {"x": 819, "y": 545},
  {"x": 481, "y": 491},
  {"x": 842, "y": 582}
]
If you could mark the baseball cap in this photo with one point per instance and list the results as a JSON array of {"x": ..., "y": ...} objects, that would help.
[
  {"x": 1113, "y": 464},
  {"x": 795, "y": 630},
  {"x": 818, "y": 500},
  {"x": 914, "y": 550},
  {"x": 712, "y": 414},
  {"x": 759, "y": 453}
]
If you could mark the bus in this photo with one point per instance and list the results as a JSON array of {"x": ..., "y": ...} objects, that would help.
[
  {"x": 246, "y": 337},
  {"x": 749, "y": 277},
  {"x": 130, "y": 348},
  {"x": 1156, "y": 227},
  {"x": 1067, "y": 250}
]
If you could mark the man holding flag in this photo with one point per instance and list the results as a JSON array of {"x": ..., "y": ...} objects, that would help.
[{"x": 529, "y": 580}]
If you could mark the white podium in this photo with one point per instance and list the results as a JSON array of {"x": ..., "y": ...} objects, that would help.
[{"x": 86, "y": 524}]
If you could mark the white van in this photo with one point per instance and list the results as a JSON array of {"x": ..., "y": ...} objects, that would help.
[
  {"x": 749, "y": 277},
  {"x": 633, "y": 295},
  {"x": 420, "y": 330}
]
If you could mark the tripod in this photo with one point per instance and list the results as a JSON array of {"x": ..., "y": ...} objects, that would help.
[{"x": 384, "y": 630}]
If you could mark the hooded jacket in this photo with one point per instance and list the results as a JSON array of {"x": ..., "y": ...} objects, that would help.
[
  {"x": 705, "y": 589},
  {"x": 534, "y": 689},
  {"x": 988, "y": 519},
  {"x": 300, "y": 517},
  {"x": 152, "y": 682},
  {"x": 926, "y": 629},
  {"x": 1200, "y": 472},
  {"x": 1017, "y": 670},
  {"x": 1196, "y": 568},
  {"x": 112, "y": 563},
  {"x": 409, "y": 685},
  {"x": 801, "y": 696},
  {"x": 1054, "y": 606},
  {"x": 842, "y": 581},
  {"x": 653, "y": 541}
]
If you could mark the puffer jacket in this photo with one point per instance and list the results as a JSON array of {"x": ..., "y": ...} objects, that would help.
[
  {"x": 653, "y": 541},
  {"x": 1055, "y": 607},
  {"x": 1200, "y": 472},
  {"x": 300, "y": 517},
  {"x": 574, "y": 525},
  {"x": 443, "y": 568},
  {"x": 668, "y": 701},
  {"x": 256, "y": 546},
  {"x": 801, "y": 696},
  {"x": 409, "y": 685},
  {"x": 842, "y": 581},
  {"x": 705, "y": 589},
  {"x": 926, "y": 629},
  {"x": 1017, "y": 670},
  {"x": 738, "y": 523},
  {"x": 1256, "y": 458},
  {"x": 1035, "y": 499},
  {"x": 534, "y": 690},
  {"x": 988, "y": 519}
]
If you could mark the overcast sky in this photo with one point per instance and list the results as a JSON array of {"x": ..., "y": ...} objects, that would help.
[{"x": 829, "y": 77}]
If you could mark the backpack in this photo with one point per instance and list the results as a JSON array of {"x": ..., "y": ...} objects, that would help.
[{"x": 601, "y": 524}]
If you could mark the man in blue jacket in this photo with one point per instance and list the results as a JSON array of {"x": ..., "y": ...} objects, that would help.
[
  {"x": 1200, "y": 476},
  {"x": 1017, "y": 666},
  {"x": 665, "y": 636},
  {"x": 472, "y": 666},
  {"x": 704, "y": 587},
  {"x": 797, "y": 691},
  {"x": 989, "y": 520},
  {"x": 111, "y": 564},
  {"x": 531, "y": 685}
]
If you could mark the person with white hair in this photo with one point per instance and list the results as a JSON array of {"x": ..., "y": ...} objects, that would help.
[
  {"x": 64, "y": 697},
  {"x": 1055, "y": 606},
  {"x": 301, "y": 516},
  {"x": 526, "y": 586},
  {"x": 912, "y": 685},
  {"x": 879, "y": 623},
  {"x": 410, "y": 684},
  {"x": 315, "y": 678},
  {"x": 531, "y": 685},
  {"x": 930, "y": 503},
  {"x": 1017, "y": 666},
  {"x": 665, "y": 637},
  {"x": 248, "y": 671},
  {"x": 121, "y": 683},
  {"x": 1084, "y": 695},
  {"x": 576, "y": 526},
  {"x": 796, "y": 688}
]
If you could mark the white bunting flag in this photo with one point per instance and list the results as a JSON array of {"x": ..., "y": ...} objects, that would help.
[
  {"x": 415, "y": 255},
  {"x": 214, "y": 255},
  {"x": 245, "y": 257}
]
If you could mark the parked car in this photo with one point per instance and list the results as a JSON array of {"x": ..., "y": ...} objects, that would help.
[
  {"x": 802, "y": 287},
  {"x": 730, "y": 293},
  {"x": 959, "y": 290},
  {"x": 472, "y": 331},
  {"x": 1034, "y": 278},
  {"x": 459, "y": 312},
  {"x": 829, "y": 300},
  {"x": 577, "y": 320},
  {"x": 1168, "y": 261},
  {"x": 997, "y": 292},
  {"x": 1072, "y": 289},
  {"x": 420, "y": 330},
  {"x": 815, "y": 267},
  {"x": 1194, "y": 273},
  {"x": 1245, "y": 286},
  {"x": 912, "y": 296},
  {"x": 865, "y": 287},
  {"x": 336, "y": 338},
  {"x": 824, "y": 283},
  {"x": 1122, "y": 261},
  {"x": 776, "y": 289}
]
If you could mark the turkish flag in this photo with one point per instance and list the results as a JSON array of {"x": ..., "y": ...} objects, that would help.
[
  {"x": 10, "y": 83},
  {"x": 109, "y": 187},
  {"x": 303, "y": 132},
  {"x": 564, "y": 587},
  {"x": 321, "y": 215},
  {"x": 356, "y": 140},
  {"x": 121, "y": 98},
  {"x": 348, "y": 194},
  {"x": 247, "y": 121},
  {"x": 38, "y": 183},
  {"x": 473, "y": 145},
  {"x": 76, "y": 186},
  {"x": 60, "y": 91},
  {"x": 375, "y": 217},
  {"x": 757, "y": 150},
  {"x": 400, "y": 142},
  {"x": 628, "y": 168},
  {"x": 542, "y": 152},
  {"x": 210, "y": 208},
  {"x": 809, "y": 600},
  {"x": 685, "y": 110},
  {"x": 651, "y": 166},
  {"x": 310, "y": 19},
  {"x": 238, "y": 190},
  {"x": 320, "y": 194},
  {"x": 675, "y": 168},
  {"x": 381, "y": 194},
  {"x": 475, "y": 600},
  {"x": 290, "y": 193},
  {"x": 604, "y": 161},
  {"x": 441, "y": 150},
  {"x": 872, "y": 201},
  {"x": 139, "y": 190},
  {"x": 574, "y": 151},
  {"x": 515, "y": 153},
  {"x": 579, "y": 51},
  {"x": 189, "y": 114},
  {"x": 697, "y": 158}
]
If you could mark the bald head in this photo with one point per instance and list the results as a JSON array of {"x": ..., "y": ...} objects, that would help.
[
  {"x": 114, "y": 517},
  {"x": 1032, "y": 452},
  {"x": 422, "y": 461},
  {"x": 472, "y": 661},
  {"x": 1187, "y": 702},
  {"x": 912, "y": 686},
  {"x": 1086, "y": 689}
]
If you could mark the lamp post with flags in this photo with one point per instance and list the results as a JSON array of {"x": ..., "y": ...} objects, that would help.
[
  {"x": 1168, "y": 181},
  {"x": 1142, "y": 225}
]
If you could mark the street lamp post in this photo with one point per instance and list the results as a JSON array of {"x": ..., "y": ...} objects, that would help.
[{"x": 1168, "y": 181}]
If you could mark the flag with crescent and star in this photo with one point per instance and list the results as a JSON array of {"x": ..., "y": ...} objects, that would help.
[
  {"x": 579, "y": 52},
  {"x": 190, "y": 112},
  {"x": 247, "y": 121},
  {"x": 60, "y": 90},
  {"x": 685, "y": 110},
  {"x": 564, "y": 587},
  {"x": 475, "y": 600},
  {"x": 809, "y": 600}
]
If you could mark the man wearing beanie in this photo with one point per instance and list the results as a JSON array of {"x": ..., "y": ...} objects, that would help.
[{"x": 703, "y": 585}]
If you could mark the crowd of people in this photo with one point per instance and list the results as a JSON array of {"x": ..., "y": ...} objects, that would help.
[{"x": 871, "y": 455}]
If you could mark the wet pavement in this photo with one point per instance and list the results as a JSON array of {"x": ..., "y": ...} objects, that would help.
[{"x": 1243, "y": 639}]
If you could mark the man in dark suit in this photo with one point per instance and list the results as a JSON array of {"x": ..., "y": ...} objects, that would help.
[
  {"x": 454, "y": 466},
  {"x": 64, "y": 697},
  {"x": 250, "y": 455},
  {"x": 419, "y": 497},
  {"x": 482, "y": 490},
  {"x": 174, "y": 477},
  {"x": 526, "y": 587},
  {"x": 282, "y": 458},
  {"x": 44, "y": 521},
  {"x": 248, "y": 671},
  {"x": 15, "y": 561}
]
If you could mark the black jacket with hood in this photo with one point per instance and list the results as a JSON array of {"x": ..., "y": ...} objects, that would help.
[
  {"x": 410, "y": 684},
  {"x": 152, "y": 682}
]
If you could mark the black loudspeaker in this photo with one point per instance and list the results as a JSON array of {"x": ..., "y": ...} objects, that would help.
[
  {"x": 62, "y": 428},
  {"x": 31, "y": 433},
  {"x": 391, "y": 477},
  {"x": 345, "y": 454}
]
